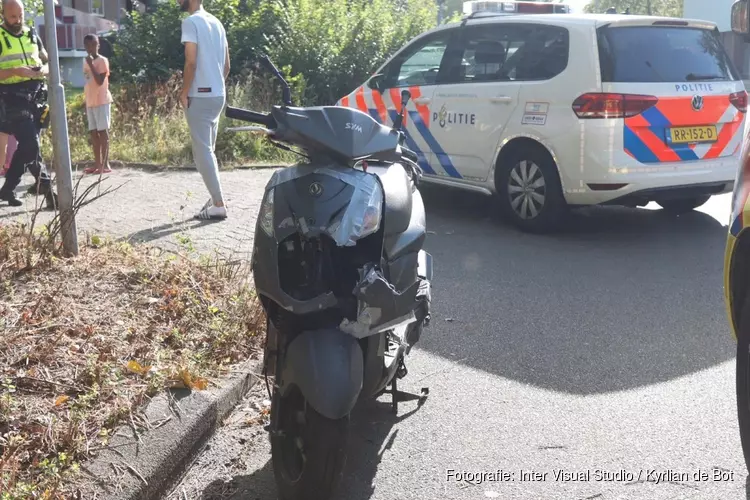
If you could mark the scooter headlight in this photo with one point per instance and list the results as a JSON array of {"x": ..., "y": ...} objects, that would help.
[
  {"x": 362, "y": 217},
  {"x": 372, "y": 214},
  {"x": 266, "y": 213}
]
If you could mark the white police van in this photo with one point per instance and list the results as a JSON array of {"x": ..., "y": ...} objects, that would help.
[{"x": 551, "y": 111}]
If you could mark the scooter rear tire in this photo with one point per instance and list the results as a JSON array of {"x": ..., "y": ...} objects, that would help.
[{"x": 325, "y": 447}]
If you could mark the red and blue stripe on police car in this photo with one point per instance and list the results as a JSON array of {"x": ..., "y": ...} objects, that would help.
[{"x": 385, "y": 108}]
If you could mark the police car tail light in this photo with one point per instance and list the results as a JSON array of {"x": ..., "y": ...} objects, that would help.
[
  {"x": 739, "y": 100},
  {"x": 604, "y": 105}
]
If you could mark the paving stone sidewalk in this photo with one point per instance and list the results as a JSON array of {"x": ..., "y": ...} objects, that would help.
[{"x": 158, "y": 208}]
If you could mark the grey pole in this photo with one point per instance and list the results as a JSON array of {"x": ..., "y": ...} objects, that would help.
[{"x": 60, "y": 142}]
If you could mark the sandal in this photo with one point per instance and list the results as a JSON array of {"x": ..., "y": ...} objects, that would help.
[{"x": 94, "y": 170}]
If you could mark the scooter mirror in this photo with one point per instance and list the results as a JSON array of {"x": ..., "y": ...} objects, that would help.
[{"x": 405, "y": 96}]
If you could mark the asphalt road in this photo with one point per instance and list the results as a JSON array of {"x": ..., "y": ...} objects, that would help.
[{"x": 602, "y": 350}]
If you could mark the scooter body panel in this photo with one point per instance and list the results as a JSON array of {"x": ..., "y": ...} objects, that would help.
[
  {"x": 327, "y": 366},
  {"x": 308, "y": 202},
  {"x": 413, "y": 237}
]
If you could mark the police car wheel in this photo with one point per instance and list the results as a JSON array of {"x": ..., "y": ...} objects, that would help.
[
  {"x": 529, "y": 191},
  {"x": 743, "y": 379}
]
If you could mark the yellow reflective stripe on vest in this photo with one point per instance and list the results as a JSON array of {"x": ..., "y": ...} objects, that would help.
[{"x": 23, "y": 51}]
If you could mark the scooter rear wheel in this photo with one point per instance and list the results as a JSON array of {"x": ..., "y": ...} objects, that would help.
[{"x": 309, "y": 454}]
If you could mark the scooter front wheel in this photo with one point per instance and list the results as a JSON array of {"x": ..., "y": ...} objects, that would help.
[{"x": 309, "y": 451}]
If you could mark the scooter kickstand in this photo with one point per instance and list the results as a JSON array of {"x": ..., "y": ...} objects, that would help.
[
  {"x": 394, "y": 395},
  {"x": 423, "y": 396}
]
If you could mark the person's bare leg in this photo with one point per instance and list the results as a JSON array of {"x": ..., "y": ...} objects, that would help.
[
  {"x": 97, "y": 149},
  {"x": 104, "y": 145}
]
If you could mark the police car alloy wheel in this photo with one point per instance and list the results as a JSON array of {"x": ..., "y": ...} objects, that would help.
[
  {"x": 529, "y": 190},
  {"x": 526, "y": 189}
]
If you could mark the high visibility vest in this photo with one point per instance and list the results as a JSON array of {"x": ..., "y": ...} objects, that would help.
[{"x": 17, "y": 51}]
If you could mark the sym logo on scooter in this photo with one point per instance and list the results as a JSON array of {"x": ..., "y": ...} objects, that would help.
[
  {"x": 355, "y": 127},
  {"x": 315, "y": 189}
]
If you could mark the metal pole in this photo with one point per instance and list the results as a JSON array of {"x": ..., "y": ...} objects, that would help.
[
  {"x": 439, "y": 12},
  {"x": 60, "y": 142}
]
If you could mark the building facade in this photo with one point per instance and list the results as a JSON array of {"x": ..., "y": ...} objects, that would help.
[{"x": 76, "y": 19}]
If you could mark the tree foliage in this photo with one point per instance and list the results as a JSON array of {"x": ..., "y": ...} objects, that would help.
[
  {"x": 453, "y": 6},
  {"x": 31, "y": 8},
  {"x": 670, "y": 8},
  {"x": 327, "y": 47},
  {"x": 148, "y": 46},
  {"x": 337, "y": 44}
]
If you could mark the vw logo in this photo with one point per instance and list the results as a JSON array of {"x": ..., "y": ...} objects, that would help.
[
  {"x": 697, "y": 103},
  {"x": 315, "y": 189}
]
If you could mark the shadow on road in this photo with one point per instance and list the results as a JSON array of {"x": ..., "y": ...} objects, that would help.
[
  {"x": 372, "y": 435},
  {"x": 619, "y": 299},
  {"x": 164, "y": 230}
]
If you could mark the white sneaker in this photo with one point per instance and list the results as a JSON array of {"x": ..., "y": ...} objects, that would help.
[{"x": 212, "y": 212}]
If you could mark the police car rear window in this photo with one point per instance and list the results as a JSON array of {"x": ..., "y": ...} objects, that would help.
[{"x": 648, "y": 54}]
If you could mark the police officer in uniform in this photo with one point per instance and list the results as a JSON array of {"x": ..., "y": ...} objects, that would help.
[{"x": 23, "y": 95}]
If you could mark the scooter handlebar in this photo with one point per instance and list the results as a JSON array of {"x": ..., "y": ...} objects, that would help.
[
  {"x": 411, "y": 155},
  {"x": 250, "y": 116}
]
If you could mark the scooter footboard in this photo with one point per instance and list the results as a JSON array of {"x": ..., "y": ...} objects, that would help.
[{"x": 327, "y": 366}]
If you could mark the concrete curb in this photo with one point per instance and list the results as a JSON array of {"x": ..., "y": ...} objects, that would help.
[
  {"x": 146, "y": 467},
  {"x": 155, "y": 167}
]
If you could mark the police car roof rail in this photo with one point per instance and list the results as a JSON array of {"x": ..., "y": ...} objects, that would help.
[{"x": 486, "y": 13}]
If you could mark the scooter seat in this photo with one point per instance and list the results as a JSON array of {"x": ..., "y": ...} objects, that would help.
[{"x": 398, "y": 199}]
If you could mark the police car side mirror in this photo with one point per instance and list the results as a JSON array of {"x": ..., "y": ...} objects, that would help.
[
  {"x": 375, "y": 81},
  {"x": 741, "y": 19}
]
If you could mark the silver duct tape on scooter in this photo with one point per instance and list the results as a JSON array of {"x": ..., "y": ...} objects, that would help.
[{"x": 351, "y": 226}]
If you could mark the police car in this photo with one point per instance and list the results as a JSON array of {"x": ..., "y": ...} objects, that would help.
[{"x": 552, "y": 111}]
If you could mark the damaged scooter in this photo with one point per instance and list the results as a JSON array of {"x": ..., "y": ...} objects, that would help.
[{"x": 339, "y": 267}]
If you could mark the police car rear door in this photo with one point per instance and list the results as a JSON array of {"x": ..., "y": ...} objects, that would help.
[{"x": 473, "y": 104}]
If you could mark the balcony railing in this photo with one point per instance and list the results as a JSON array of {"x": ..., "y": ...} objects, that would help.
[{"x": 69, "y": 36}]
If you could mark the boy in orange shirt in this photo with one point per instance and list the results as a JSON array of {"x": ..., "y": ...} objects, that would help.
[{"x": 98, "y": 103}]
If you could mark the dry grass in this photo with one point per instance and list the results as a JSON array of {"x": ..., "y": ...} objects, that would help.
[{"x": 85, "y": 342}]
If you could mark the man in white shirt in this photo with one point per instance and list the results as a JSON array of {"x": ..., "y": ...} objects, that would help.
[{"x": 204, "y": 95}]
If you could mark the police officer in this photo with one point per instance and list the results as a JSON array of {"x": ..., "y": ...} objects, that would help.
[{"x": 23, "y": 68}]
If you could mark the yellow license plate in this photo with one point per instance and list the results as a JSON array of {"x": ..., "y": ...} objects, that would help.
[{"x": 683, "y": 135}]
